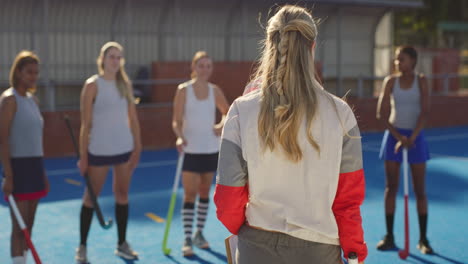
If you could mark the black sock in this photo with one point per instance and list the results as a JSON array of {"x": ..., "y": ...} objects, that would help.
[
  {"x": 121, "y": 214},
  {"x": 389, "y": 221},
  {"x": 422, "y": 226},
  {"x": 86, "y": 215}
]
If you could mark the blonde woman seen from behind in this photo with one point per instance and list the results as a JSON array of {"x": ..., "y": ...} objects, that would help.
[{"x": 290, "y": 177}]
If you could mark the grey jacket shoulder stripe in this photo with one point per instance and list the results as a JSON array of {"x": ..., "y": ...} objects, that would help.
[
  {"x": 351, "y": 157},
  {"x": 231, "y": 130},
  {"x": 232, "y": 168}
]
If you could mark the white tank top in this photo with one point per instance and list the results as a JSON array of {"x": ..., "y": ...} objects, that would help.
[
  {"x": 199, "y": 119},
  {"x": 26, "y": 128},
  {"x": 406, "y": 105},
  {"x": 110, "y": 128}
]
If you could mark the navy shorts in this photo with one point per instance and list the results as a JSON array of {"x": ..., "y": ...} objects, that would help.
[
  {"x": 28, "y": 178},
  {"x": 419, "y": 153},
  {"x": 99, "y": 160},
  {"x": 200, "y": 163}
]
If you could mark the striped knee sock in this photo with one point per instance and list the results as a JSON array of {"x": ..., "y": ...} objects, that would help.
[
  {"x": 202, "y": 211},
  {"x": 188, "y": 212}
]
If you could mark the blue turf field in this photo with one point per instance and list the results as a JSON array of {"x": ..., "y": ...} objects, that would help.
[{"x": 56, "y": 231}]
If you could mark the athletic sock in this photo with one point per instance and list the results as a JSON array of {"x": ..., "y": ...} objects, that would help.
[
  {"x": 389, "y": 221},
  {"x": 188, "y": 212},
  {"x": 121, "y": 214},
  {"x": 18, "y": 260},
  {"x": 202, "y": 211},
  {"x": 86, "y": 216},
  {"x": 422, "y": 226}
]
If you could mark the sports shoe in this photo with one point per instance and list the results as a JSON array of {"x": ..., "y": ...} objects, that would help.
[
  {"x": 200, "y": 241},
  {"x": 424, "y": 246},
  {"x": 80, "y": 255},
  {"x": 125, "y": 251},
  {"x": 387, "y": 243},
  {"x": 187, "y": 249}
]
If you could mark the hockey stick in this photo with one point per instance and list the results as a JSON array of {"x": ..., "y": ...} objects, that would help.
[
  {"x": 104, "y": 224},
  {"x": 405, "y": 252},
  {"x": 23, "y": 228},
  {"x": 170, "y": 212}
]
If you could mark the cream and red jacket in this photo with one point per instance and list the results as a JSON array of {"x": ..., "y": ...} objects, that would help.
[{"x": 316, "y": 199}]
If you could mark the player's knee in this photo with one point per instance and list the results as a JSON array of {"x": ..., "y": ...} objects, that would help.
[
  {"x": 121, "y": 194},
  {"x": 391, "y": 189},
  {"x": 204, "y": 190},
  {"x": 420, "y": 195},
  {"x": 17, "y": 233},
  {"x": 29, "y": 225},
  {"x": 190, "y": 197},
  {"x": 87, "y": 201}
]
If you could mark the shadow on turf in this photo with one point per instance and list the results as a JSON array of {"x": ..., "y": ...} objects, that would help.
[
  {"x": 172, "y": 259},
  {"x": 412, "y": 256},
  {"x": 218, "y": 255},
  {"x": 126, "y": 261},
  {"x": 193, "y": 258},
  {"x": 425, "y": 261},
  {"x": 447, "y": 259},
  {"x": 421, "y": 260}
]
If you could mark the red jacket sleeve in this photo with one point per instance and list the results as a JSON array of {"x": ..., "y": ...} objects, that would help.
[
  {"x": 231, "y": 193},
  {"x": 230, "y": 206},
  {"x": 349, "y": 197}
]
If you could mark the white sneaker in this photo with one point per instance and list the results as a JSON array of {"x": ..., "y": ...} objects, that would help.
[
  {"x": 200, "y": 241},
  {"x": 81, "y": 256},
  {"x": 126, "y": 252},
  {"x": 187, "y": 249}
]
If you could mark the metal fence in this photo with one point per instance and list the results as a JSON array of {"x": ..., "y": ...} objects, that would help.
[{"x": 67, "y": 35}]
